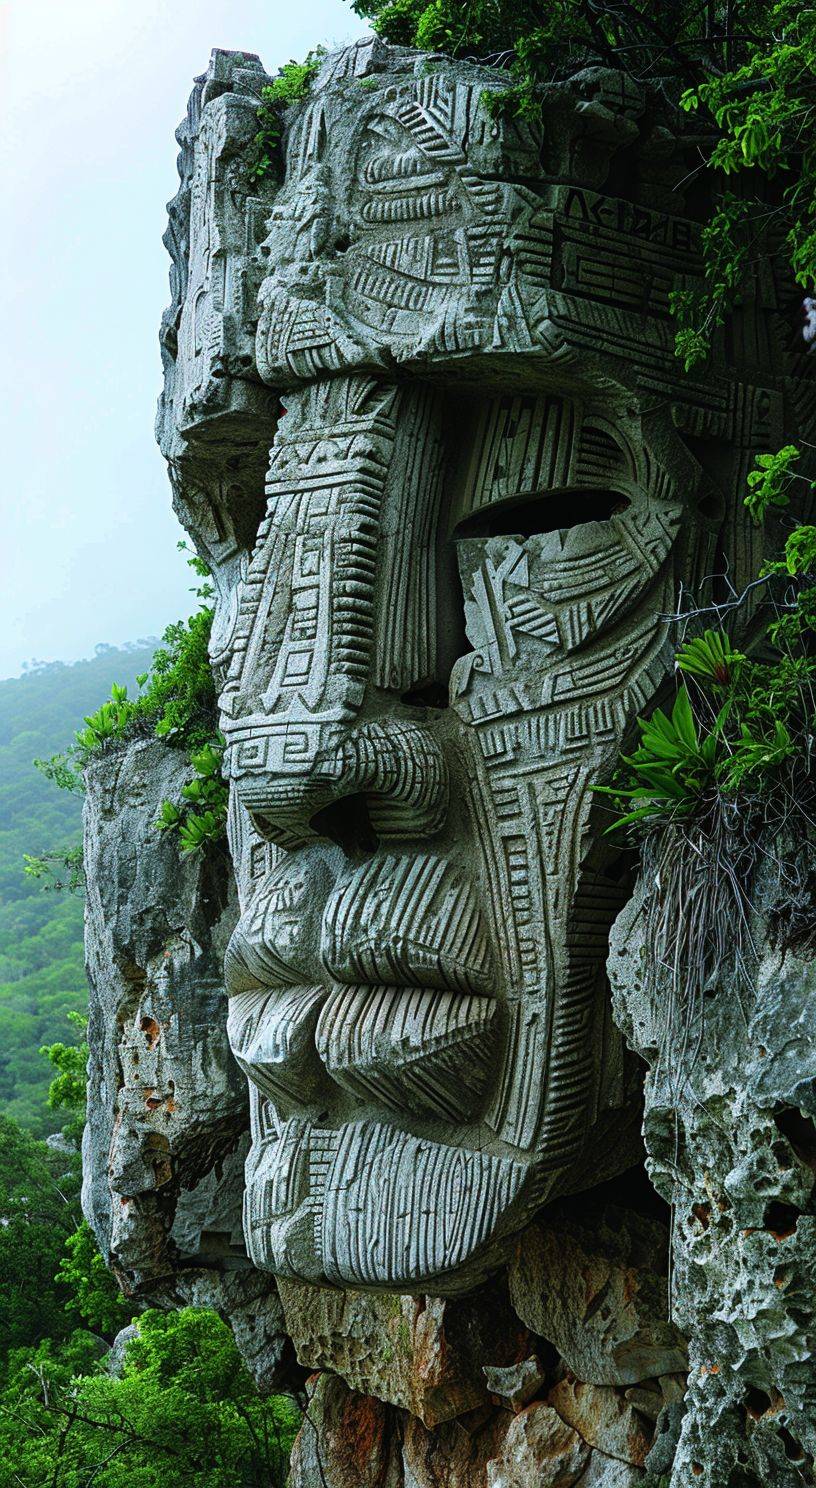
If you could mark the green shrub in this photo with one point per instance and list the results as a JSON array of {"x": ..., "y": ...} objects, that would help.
[
  {"x": 291, "y": 85},
  {"x": 202, "y": 815}
]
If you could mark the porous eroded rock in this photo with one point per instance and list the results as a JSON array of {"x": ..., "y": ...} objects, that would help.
[
  {"x": 424, "y": 1354},
  {"x": 731, "y": 1140},
  {"x": 593, "y": 1281}
]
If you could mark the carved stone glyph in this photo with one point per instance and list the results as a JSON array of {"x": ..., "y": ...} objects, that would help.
[{"x": 446, "y": 338}]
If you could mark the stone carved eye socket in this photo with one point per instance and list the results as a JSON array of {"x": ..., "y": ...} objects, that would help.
[{"x": 546, "y": 511}]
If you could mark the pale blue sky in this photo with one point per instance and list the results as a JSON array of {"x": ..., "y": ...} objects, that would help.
[{"x": 90, "y": 94}]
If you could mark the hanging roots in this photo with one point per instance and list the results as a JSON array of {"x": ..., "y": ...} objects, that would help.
[{"x": 701, "y": 872}]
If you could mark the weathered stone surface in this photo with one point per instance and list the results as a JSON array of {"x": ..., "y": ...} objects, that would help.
[
  {"x": 731, "y": 1141},
  {"x": 346, "y": 1441},
  {"x": 455, "y": 1454},
  {"x": 607, "y": 1472},
  {"x": 349, "y": 1440},
  {"x": 167, "y": 1113},
  {"x": 467, "y": 326},
  {"x": 516, "y": 1384},
  {"x": 435, "y": 628},
  {"x": 538, "y": 1448},
  {"x": 167, "y": 1127},
  {"x": 603, "y": 1418},
  {"x": 425, "y": 1354},
  {"x": 114, "y": 1360},
  {"x": 594, "y": 1282}
]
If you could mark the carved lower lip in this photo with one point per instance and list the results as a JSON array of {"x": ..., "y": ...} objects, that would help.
[
  {"x": 350, "y": 1206},
  {"x": 423, "y": 1050},
  {"x": 416, "y": 1048}
]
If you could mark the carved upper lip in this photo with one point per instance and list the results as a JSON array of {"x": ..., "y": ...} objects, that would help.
[{"x": 394, "y": 921}]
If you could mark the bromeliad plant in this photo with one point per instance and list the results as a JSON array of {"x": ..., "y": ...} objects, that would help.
[
  {"x": 736, "y": 737},
  {"x": 202, "y": 815},
  {"x": 723, "y": 782}
]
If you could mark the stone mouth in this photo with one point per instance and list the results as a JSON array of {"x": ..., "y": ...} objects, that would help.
[{"x": 422, "y": 1051}]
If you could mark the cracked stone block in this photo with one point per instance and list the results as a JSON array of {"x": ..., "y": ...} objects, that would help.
[
  {"x": 516, "y": 1384},
  {"x": 424, "y": 1354},
  {"x": 538, "y": 1448},
  {"x": 593, "y": 1281},
  {"x": 604, "y": 1418}
]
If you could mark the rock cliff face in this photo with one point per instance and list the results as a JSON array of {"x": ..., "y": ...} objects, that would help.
[
  {"x": 167, "y": 1130},
  {"x": 392, "y": 1044}
]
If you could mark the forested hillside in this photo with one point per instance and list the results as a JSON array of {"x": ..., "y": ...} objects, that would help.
[{"x": 41, "y": 961}]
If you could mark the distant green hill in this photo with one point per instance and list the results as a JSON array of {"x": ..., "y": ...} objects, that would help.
[{"x": 41, "y": 961}]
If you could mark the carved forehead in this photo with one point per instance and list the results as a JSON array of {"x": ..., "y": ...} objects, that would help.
[{"x": 414, "y": 225}]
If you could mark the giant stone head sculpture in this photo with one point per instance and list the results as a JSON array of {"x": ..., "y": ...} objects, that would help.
[{"x": 425, "y": 421}]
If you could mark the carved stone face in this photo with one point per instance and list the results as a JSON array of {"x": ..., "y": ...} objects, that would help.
[{"x": 489, "y": 481}]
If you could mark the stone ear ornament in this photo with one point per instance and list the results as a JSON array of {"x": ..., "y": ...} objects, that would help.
[{"x": 424, "y": 417}]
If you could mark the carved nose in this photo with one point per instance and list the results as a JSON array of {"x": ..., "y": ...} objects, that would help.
[{"x": 289, "y": 777}]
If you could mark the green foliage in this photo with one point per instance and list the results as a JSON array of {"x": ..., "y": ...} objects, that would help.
[
  {"x": 800, "y": 551},
  {"x": 57, "y": 870},
  {"x": 769, "y": 483},
  {"x": 39, "y": 1210},
  {"x": 202, "y": 815},
  {"x": 184, "y": 1409},
  {"x": 746, "y": 736},
  {"x": 763, "y": 109},
  {"x": 537, "y": 42},
  {"x": 673, "y": 768},
  {"x": 175, "y": 699},
  {"x": 93, "y": 1293},
  {"x": 67, "y": 1089},
  {"x": 42, "y": 974},
  {"x": 184, "y": 1404},
  {"x": 725, "y": 245},
  {"x": 292, "y": 85},
  {"x": 711, "y": 658}
]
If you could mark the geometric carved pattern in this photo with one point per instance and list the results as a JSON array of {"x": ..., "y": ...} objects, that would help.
[
  {"x": 468, "y": 331},
  {"x": 410, "y": 919},
  {"x": 410, "y": 1049}
]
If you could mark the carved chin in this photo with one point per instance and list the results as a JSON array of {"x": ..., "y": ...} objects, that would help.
[{"x": 373, "y": 1206}]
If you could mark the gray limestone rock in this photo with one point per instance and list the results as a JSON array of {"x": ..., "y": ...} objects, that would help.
[
  {"x": 516, "y": 1384},
  {"x": 114, "y": 1360},
  {"x": 594, "y": 1282},
  {"x": 731, "y": 1142},
  {"x": 167, "y": 1129},
  {"x": 424, "y": 1354}
]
